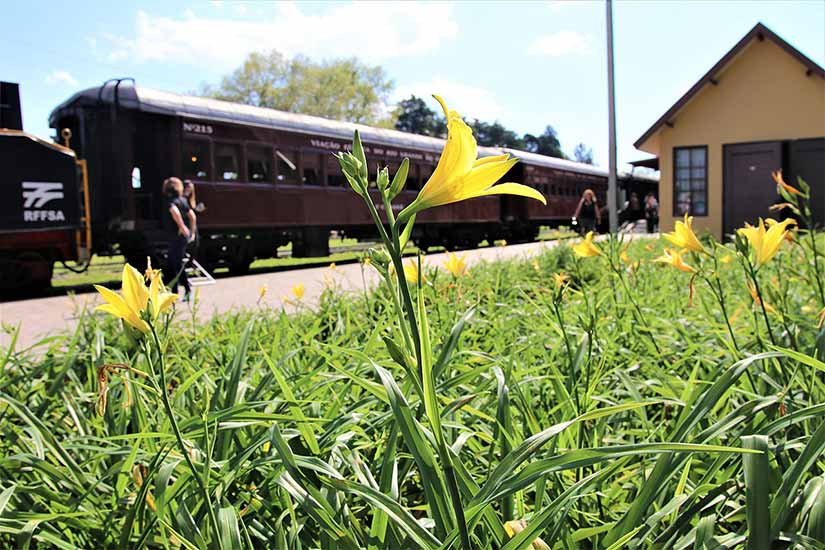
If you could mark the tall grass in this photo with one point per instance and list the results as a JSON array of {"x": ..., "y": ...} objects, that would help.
[{"x": 308, "y": 432}]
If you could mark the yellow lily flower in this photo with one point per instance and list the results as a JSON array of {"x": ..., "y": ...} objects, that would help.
[
  {"x": 298, "y": 291},
  {"x": 684, "y": 237},
  {"x": 460, "y": 175},
  {"x": 770, "y": 222},
  {"x": 766, "y": 242},
  {"x": 455, "y": 265},
  {"x": 726, "y": 259},
  {"x": 262, "y": 292},
  {"x": 150, "y": 273},
  {"x": 674, "y": 258},
  {"x": 136, "y": 299},
  {"x": 586, "y": 248},
  {"x": 777, "y": 177},
  {"x": 411, "y": 272},
  {"x": 559, "y": 279}
]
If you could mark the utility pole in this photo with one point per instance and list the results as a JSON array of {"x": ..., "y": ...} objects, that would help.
[{"x": 612, "y": 194}]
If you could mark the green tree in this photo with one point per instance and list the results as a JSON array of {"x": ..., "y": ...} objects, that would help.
[
  {"x": 341, "y": 89},
  {"x": 583, "y": 153},
  {"x": 495, "y": 135},
  {"x": 545, "y": 144},
  {"x": 413, "y": 116}
]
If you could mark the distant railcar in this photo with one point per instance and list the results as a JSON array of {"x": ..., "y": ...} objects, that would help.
[{"x": 268, "y": 178}]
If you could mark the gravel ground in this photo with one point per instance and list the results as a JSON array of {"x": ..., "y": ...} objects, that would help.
[{"x": 44, "y": 318}]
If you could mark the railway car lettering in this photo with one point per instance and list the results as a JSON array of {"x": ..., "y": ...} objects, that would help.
[
  {"x": 43, "y": 216},
  {"x": 195, "y": 128},
  {"x": 329, "y": 144}
]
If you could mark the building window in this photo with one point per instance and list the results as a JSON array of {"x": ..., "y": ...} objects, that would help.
[
  {"x": 311, "y": 168},
  {"x": 335, "y": 178},
  {"x": 259, "y": 163},
  {"x": 196, "y": 159},
  {"x": 227, "y": 161},
  {"x": 287, "y": 163},
  {"x": 690, "y": 181}
]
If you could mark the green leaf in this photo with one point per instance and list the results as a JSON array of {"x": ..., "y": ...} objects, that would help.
[{"x": 757, "y": 491}]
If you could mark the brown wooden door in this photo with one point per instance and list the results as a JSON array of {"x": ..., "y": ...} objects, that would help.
[
  {"x": 808, "y": 162},
  {"x": 749, "y": 190}
]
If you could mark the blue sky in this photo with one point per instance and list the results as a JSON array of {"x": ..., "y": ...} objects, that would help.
[{"x": 524, "y": 64}]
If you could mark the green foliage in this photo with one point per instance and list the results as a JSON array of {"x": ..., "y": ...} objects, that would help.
[
  {"x": 302, "y": 444},
  {"x": 340, "y": 89},
  {"x": 413, "y": 116}
]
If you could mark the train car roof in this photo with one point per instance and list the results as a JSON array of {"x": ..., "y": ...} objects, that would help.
[{"x": 201, "y": 108}]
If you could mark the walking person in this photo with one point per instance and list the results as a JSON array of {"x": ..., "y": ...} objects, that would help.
[
  {"x": 651, "y": 212},
  {"x": 181, "y": 224},
  {"x": 587, "y": 212}
]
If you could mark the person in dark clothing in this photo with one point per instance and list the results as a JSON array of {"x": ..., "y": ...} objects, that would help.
[
  {"x": 180, "y": 223},
  {"x": 632, "y": 211},
  {"x": 651, "y": 212},
  {"x": 587, "y": 213}
]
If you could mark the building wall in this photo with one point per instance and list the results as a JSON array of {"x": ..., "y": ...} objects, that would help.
[{"x": 763, "y": 95}]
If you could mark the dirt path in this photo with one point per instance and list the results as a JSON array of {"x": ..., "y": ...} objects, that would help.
[{"x": 44, "y": 317}]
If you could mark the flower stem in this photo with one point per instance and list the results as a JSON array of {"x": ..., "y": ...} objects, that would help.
[{"x": 171, "y": 414}]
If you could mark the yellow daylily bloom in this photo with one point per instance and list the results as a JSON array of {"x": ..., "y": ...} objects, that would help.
[
  {"x": 780, "y": 181},
  {"x": 411, "y": 272},
  {"x": 262, "y": 292},
  {"x": 536, "y": 266},
  {"x": 135, "y": 299},
  {"x": 674, "y": 258},
  {"x": 559, "y": 279},
  {"x": 765, "y": 242},
  {"x": 684, "y": 237},
  {"x": 456, "y": 265},
  {"x": 298, "y": 291},
  {"x": 770, "y": 222},
  {"x": 726, "y": 259},
  {"x": 333, "y": 267},
  {"x": 586, "y": 248},
  {"x": 150, "y": 273},
  {"x": 460, "y": 175},
  {"x": 624, "y": 257}
]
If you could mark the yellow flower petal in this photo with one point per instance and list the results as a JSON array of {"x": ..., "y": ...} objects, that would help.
[
  {"x": 586, "y": 248},
  {"x": 459, "y": 175}
]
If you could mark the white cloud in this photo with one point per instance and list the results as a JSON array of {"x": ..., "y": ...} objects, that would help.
[
  {"x": 373, "y": 31},
  {"x": 561, "y": 43},
  {"x": 60, "y": 77},
  {"x": 470, "y": 101}
]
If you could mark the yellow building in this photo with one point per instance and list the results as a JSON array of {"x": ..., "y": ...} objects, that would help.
[{"x": 760, "y": 108}]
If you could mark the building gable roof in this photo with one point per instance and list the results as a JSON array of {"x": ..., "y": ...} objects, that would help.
[{"x": 759, "y": 32}]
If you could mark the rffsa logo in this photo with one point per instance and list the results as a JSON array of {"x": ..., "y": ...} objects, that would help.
[{"x": 36, "y": 195}]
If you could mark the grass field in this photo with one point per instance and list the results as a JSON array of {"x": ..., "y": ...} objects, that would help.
[{"x": 619, "y": 408}]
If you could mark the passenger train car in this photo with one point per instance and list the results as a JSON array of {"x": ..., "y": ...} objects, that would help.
[{"x": 268, "y": 178}]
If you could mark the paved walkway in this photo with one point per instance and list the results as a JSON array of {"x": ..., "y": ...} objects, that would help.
[{"x": 43, "y": 317}]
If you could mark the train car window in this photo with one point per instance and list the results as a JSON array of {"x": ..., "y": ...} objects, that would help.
[
  {"x": 287, "y": 164},
  {"x": 311, "y": 168},
  {"x": 259, "y": 163},
  {"x": 227, "y": 161},
  {"x": 335, "y": 178},
  {"x": 196, "y": 159}
]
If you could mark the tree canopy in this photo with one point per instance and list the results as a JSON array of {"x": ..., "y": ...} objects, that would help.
[
  {"x": 583, "y": 153},
  {"x": 414, "y": 116},
  {"x": 341, "y": 89}
]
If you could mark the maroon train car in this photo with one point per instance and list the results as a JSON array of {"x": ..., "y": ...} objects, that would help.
[{"x": 268, "y": 178}]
